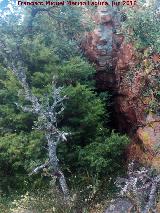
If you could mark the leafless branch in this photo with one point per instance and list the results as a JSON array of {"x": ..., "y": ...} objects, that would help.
[
  {"x": 37, "y": 169},
  {"x": 47, "y": 115}
]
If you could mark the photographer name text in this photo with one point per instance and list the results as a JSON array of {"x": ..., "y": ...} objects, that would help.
[{"x": 77, "y": 3}]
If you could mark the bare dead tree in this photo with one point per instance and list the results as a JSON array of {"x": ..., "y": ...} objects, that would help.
[
  {"x": 141, "y": 188},
  {"x": 47, "y": 114}
]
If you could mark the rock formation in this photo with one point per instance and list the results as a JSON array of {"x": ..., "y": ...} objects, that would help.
[
  {"x": 115, "y": 62},
  {"x": 120, "y": 205}
]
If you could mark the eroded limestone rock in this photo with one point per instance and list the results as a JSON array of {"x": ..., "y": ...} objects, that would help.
[{"x": 120, "y": 205}]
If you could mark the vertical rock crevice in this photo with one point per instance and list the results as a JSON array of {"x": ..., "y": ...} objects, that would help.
[{"x": 114, "y": 59}]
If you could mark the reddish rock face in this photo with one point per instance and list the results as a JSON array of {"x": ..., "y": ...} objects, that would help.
[
  {"x": 115, "y": 64},
  {"x": 101, "y": 46}
]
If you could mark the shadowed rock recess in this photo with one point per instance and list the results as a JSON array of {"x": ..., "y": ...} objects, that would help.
[{"x": 114, "y": 59}]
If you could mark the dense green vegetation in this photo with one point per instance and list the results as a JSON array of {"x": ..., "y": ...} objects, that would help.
[
  {"x": 142, "y": 27},
  {"x": 47, "y": 47},
  {"x": 46, "y": 42}
]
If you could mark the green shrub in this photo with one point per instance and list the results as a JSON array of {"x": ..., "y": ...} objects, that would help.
[
  {"x": 142, "y": 27},
  {"x": 20, "y": 154},
  {"x": 105, "y": 156}
]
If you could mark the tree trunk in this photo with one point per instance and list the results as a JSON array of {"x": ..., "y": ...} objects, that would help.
[{"x": 54, "y": 163}]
